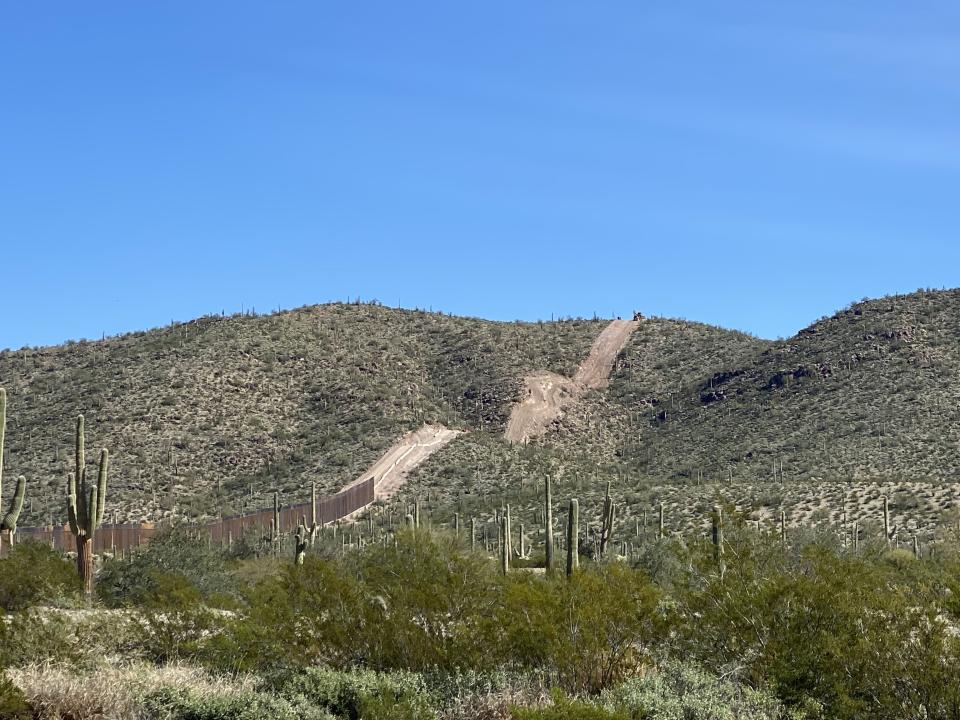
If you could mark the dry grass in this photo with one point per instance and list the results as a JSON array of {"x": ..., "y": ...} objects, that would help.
[{"x": 112, "y": 692}]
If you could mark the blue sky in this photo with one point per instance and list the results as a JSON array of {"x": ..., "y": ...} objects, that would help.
[{"x": 751, "y": 165}]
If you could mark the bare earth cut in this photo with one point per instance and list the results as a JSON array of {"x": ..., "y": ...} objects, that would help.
[
  {"x": 393, "y": 467},
  {"x": 548, "y": 394}
]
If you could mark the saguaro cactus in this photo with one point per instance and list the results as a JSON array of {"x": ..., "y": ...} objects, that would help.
[
  {"x": 505, "y": 544},
  {"x": 886, "y": 521},
  {"x": 301, "y": 541},
  {"x": 9, "y": 522},
  {"x": 717, "y": 537},
  {"x": 275, "y": 523},
  {"x": 573, "y": 537},
  {"x": 85, "y": 507},
  {"x": 660, "y": 531},
  {"x": 507, "y": 533},
  {"x": 606, "y": 526},
  {"x": 548, "y": 521}
]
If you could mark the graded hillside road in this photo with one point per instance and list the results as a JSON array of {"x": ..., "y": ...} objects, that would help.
[
  {"x": 594, "y": 372},
  {"x": 391, "y": 470},
  {"x": 548, "y": 394}
]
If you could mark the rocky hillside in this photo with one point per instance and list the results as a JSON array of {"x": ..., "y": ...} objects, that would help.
[
  {"x": 200, "y": 414},
  {"x": 858, "y": 405},
  {"x": 213, "y": 414}
]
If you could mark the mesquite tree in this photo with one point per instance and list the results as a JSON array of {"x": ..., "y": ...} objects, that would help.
[{"x": 85, "y": 502}]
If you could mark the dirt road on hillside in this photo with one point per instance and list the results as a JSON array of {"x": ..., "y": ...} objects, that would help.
[
  {"x": 393, "y": 467},
  {"x": 548, "y": 394}
]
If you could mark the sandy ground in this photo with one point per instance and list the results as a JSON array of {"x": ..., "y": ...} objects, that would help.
[{"x": 548, "y": 394}]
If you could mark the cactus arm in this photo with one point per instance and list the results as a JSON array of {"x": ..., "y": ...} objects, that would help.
[
  {"x": 102, "y": 486},
  {"x": 10, "y": 519},
  {"x": 79, "y": 459},
  {"x": 92, "y": 513},
  {"x": 72, "y": 504},
  {"x": 83, "y": 507}
]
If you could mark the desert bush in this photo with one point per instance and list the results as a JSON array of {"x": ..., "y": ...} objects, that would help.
[
  {"x": 428, "y": 601},
  {"x": 678, "y": 691},
  {"x": 173, "y": 624},
  {"x": 359, "y": 693},
  {"x": 591, "y": 629},
  {"x": 145, "y": 692},
  {"x": 851, "y": 634},
  {"x": 33, "y": 574},
  {"x": 173, "y": 551},
  {"x": 171, "y": 703},
  {"x": 423, "y": 603},
  {"x": 13, "y": 703},
  {"x": 32, "y": 635},
  {"x": 564, "y": 708},
  {"x": 312, "y": 614}
]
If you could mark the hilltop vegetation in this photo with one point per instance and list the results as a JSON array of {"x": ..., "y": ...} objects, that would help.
[
  {"x": 820, "y": 425},
  {"x": 211, "y": 415},
  {"x": 200, "y": 416}
]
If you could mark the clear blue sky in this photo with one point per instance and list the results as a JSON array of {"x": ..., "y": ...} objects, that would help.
[{"x": 744, "y": 164}]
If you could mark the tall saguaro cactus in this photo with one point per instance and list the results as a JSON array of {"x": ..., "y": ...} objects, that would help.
[
  {"x": 886, "y": 521},
  {"x": 301, "y": 541},
  {"x": 573, "y": 537},
  {"x": 548, "y": 521},
  {"x": 717, "y": 538},
  {"x": 606, "y": 528},
  {"x": 9, "y": 522},
  {"x": 85, "y": 503},
  {"x": 504, "y": 545}
]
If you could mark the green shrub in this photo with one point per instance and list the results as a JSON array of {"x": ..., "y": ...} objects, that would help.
[
  {"x": 857, "y": 635},
  {"x": 428, "y": 601},
  {"x": 135, "y": 580},
  {"x": 564, "y": 708},
  {"x": 33, "y": 573},
  {"x": 591, "y": 629},
  {"x": 314, "y": 613},
  {"x": 683, "y": 692},
  {"x": 179, "y": 704},
  {"x": 359, "y": 693},
  {"x": 13, "y": 703},
  {"x": 33, "y": 636}
]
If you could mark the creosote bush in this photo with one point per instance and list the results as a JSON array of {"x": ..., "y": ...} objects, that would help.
[{"x": 33, "y": 574}]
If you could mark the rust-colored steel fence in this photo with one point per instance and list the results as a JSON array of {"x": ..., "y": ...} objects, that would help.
[{"x": 132, "y": 535}]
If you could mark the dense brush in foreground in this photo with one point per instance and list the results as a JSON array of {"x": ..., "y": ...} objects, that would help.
[{"x": 425, "y": 628}]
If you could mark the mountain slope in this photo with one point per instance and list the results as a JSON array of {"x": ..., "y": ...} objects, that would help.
[{"x": 199, "y": 414}]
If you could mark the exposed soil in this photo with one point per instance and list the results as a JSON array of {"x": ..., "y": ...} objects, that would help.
[
  {"x": 393, "y": 467},
  {"x": 548, "y": 394}
]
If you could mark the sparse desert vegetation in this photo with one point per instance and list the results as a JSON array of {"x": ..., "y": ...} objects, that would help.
[{"x": 730, "y": 555}]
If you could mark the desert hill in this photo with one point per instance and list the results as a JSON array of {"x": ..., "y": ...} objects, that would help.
[{"x": 209, "y": 416}]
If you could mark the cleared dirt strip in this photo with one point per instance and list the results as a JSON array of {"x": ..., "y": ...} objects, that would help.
[
  {"x": 548, "y": 394},
  {"x": 390, "y": 472}
]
